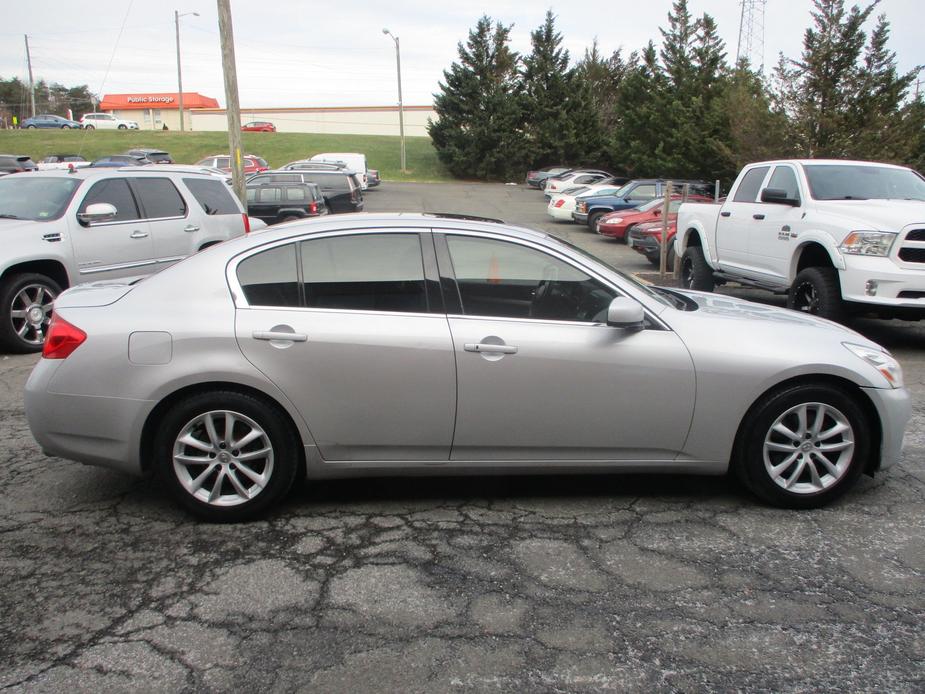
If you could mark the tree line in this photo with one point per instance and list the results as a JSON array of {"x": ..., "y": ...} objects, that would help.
[
  {"x": 50, "y": 97},
  {"x": 680, "y": 110}
]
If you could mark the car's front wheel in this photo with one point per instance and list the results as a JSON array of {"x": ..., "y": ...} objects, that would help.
[
  {"x": 593, "y": 219},
  {"x": 695, "y": 272},
  {"x": 122, "y": 126},
  {"x": 225, "y": 455},
  {"x": 65, "y": 127},
  {"x": 816, "y": 290},
  {"x": 25, "y": 305},
  {"x": 803, "y": 446},
  {"x": 89, "y": 127},
  {"x": 30, "y": 127}
]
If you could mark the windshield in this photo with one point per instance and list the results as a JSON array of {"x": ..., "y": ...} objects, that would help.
[
  {"x": 861, "y": 182},
  {"x": 36, "y": 199}
]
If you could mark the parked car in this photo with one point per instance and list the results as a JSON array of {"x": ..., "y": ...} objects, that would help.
[
  {"x": 537, "y": 179},
  {"x": 106, "y": 121},
  {"x": 355, "y": 161},
  {"x": 16, "y": 163},
  {"x": 837, "y": 236},
  {"x": 244, "y": 368},
  {"x": 308, "y": 164},
  {"x": 115, "y": 160},
  {"x": 155, "y": 156},
  {"x": 252, "y": 163},
  {"x": 646, "y": 238},
  {"x": 372, "y": 176},
  {"x": 340, "y": 189},
  {"x": 285, "y": 202},
  {"x": 49, "y": 120},
  {"x": 62, "y": 161},
  {"x": 632, "y": 195},
  {"x": 616, "y": 224},
  {"x": 582, "y": 177},
  {"x": 561, "y": 205},
  {"x": 259, "y": 126},
  {"x": 64, "y": 228}
]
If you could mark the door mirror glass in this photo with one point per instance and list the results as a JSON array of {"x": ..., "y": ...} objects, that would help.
[
  {"x": 625, "y": 313},
  {"x": 98, "y": 212},
  {"x": 778, "y": 196}
]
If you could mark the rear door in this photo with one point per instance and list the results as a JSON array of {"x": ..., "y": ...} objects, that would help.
[
  {"x": 173, "y": 223},
  {"x": 351, "y": 328}
]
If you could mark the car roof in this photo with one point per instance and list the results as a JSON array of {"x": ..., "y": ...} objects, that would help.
[{"x": 100, "y": 172}]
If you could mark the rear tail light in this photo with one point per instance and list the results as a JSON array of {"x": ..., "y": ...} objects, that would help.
[
  {"x": 247, "y": 222},
  {"x": 560, "y": 202},
  {"x": 62, "y": 339},
  {"x": 313, "y": 208}
]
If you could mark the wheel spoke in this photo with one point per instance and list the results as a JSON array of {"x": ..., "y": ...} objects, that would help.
[
  {"x": 796, "y": 473},
  {"x": 189, "y": 440},
  {"x": 259, "y": 480},
  {"x": 18, "y": 313},
  {"x": 217, "y": 485},
  {"x": 818, "y": 422},
  {"x": 834, "y": 447},
  {"x": 779, "y": 447},
  {"x": 254, "y": 455},
  {"x": 780, "y": 428},
  {"x": 23, "y": 330},
  {"x": 194, "y": 459},
  {"x": 780, "y": 467},
  {"x": 802, "y": 418},
  {"x": 229, "y": 428},
  {"x": 813, "y": 473},
  {"x": 209, "y": 423},
  {"x": 197, "y": 481},
  {"x": 835, "y": 430},
  {"x": 236, "y": 483},
  {"x": 249, "y": 437}
]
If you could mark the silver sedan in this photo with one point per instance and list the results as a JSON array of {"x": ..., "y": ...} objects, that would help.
[{"x": 402, "y": 344}]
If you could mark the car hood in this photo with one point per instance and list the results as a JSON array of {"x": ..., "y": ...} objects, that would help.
[
  {"x": 874, "y": 215},
  {"x": 16, "y": 227}
]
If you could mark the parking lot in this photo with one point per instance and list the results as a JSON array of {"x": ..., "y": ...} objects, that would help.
[{"x": 597, "y": 583}]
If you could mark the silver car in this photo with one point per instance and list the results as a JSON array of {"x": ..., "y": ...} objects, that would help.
[{"x": 401, "y": 344}]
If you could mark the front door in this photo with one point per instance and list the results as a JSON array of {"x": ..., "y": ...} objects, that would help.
[
  {"x": 542, "y": 377},
  {"x": 771, "y": 239},
  {"x": 347, "y": 328}
]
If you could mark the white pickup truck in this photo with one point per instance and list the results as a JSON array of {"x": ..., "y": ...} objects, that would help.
[{"x": 837, "y": 237}]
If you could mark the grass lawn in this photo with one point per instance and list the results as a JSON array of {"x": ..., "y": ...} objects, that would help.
[{"x": 382, "y": 152}]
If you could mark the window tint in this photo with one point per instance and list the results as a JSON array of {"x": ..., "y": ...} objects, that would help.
[
  {"x": 646, "y": 191},
  {"x": 293, "y": 193},
  {"x": 330, "y": 182},
  {"x": 159, "y": 198},
  {"x": 371, "y": 272},
  {"x": 268, "y": 194},
  {"x": 213, "y": 195},
  {"x": 784, "y": 179},
  {"x": 270, "y": 278},
  {"x": 223, "y": 162},
  {"x": 116, "y": 192},
  {"x": 751, "y": 182},
  {"x": 497, "y": 278},
  {"x": 277, "y": 178}
]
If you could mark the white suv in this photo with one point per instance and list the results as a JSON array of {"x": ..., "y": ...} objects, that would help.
[
  {"x": 60, "y": 229},
  {"x": 106, "y": 121}
]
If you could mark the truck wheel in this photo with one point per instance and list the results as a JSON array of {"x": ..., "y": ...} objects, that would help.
[
  {"x": 695, "y": 273},
  {"x": 816, "y": 290},
  {"x": 25, "y": 311},
  {"x": 592, "y": 220}
]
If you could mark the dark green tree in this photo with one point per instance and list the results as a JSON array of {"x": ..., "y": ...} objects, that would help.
[{"x": 479, "y": 132}]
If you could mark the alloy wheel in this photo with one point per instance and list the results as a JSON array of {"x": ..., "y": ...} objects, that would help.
[
  {"x": 806, "y": 298},
  {"x": 30, "y": 313}
]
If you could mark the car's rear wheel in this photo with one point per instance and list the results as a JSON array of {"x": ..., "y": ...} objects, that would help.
[
  {"x": 26, "y": 302},
  {"x": 30, "y": 127},
  {"x": 89, "y": 127},
  {"x": 804, "y": 446},
  {"x": 695, "y": 273},
  {"x": 225, "y": 455},
  {"x": 289, "y": 218},
  {"x": 65, "y": 127},
  {"x": 816, "y": 290},
  {"x": 122, "y": 126}
]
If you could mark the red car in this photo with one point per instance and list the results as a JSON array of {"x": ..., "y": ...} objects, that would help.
[
  {"x": 616, "y": 224},
  {"x": 258, "y": 126},
  {"x": 646, "y": 239},
  {"x": 252, "y": 163}
]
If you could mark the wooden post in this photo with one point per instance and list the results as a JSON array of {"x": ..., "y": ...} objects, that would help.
[
  {"x": 663, "y": 247},
  {"x": 676, "y": 266},
  {"x": 231, "y": 97}
]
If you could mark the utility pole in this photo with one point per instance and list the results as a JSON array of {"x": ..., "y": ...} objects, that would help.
[
  {"x": 401, "y": 113},
  {"x": 233, "y": 109},
  {"x": 31, "y": 83}
]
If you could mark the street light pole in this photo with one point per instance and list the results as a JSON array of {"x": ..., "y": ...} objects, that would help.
[
  {"x": 176, "y": 19},
  {"x": 401, "y": 114}
]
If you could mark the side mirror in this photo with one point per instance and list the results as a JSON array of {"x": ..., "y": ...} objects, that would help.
[
  {"x": 97, "y": 212},
  {"x": 778, "y": 196},
  {"x": 625, "y": 313},
  {"x": 657, "y": 212}
]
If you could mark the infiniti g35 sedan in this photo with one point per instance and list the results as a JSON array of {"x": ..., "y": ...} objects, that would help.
[{"x": 400, "y": 344}]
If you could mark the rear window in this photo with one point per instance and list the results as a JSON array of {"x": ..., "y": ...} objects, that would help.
[
  {"x": 213, "y": 195},
  {"x": 326, "y": 181},
  {"x": 159, "y": 198}
]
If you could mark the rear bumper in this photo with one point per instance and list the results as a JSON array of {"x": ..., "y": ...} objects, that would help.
[{"x": 560, "y": 213}]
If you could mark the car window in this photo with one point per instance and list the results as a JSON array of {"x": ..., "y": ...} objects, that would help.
[
  {"x": 297, "y": 194},
  {"x": 268, "y": 194},
  {"x": 646, "y": 191},
  {"x": 364, "y": 272},
  {"x": 270, "y": 278},
  {"x": 159, "y": 198},
  {"x": 783, "y": 178},
  {"x": 223, "y": 162},
  {"x": 750, "y": 183},
  {"x": 251, "y": 194},
  {"x": 329, "y": 182},
  {"x": 114, "y": 191},
  {"x": 503, "y": 279},
  {"x": 213, "y": 195},
  {"x": 278, "y": 178}
]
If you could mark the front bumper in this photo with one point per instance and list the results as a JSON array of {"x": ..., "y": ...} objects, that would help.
[
  {"x": 580, "y": 217},
  {"x": 881, "y": 282},
  {"x": 894, "y": 408}
]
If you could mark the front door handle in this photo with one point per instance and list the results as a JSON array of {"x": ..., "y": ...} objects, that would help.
[
  {"x": 725, "y": 214},
  {"x": 279, "y": 335},
  {"x": 190, "y": 228},
  {"x": 483, "y": 348},
  {"x": 138, "y": 234},
  {"x": 757, "y": 216}
]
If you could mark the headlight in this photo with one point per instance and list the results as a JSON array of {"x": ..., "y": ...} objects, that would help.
[
  {"x": 615, "y": 220},
  {"x": 868, "y": 243},
  {"x": 880, "y": 360}
]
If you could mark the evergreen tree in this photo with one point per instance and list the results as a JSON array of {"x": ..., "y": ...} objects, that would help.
[
  {"x": 602, "y": 78},
  {"x": 479, "y": 133}
]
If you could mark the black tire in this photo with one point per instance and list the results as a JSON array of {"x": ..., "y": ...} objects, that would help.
[
  {"x": 288, "y": 218},
  {"x": 752, "y": 467},
  {"x": 816, "y": 290},
  {"x": 592, "y": 220},
  {"x": 30, "y": 127},
  {"x": 123, "y": 127},
  {"x": 20, "y": 335},
  {"x": 695, "y": 273},
  {"x": 89, "y": 127},
  {"x": 65, "y": 127},
  {"x": 655, "y": 259},
  {"x": 221, "y": 462}
]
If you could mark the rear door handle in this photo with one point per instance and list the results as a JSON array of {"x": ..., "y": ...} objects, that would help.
[
  {"x": 138, "y": 234},
  {"x": 279, "y": 335},
  {"x": 757, "y": 216},
  {"x": 725, "y": 214},
  {"x": 489, "y": 349},
  {"x": 190, "y": 228}
]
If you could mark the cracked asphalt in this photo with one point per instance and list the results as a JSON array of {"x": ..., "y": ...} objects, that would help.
[{"x": 501, "y": 584}]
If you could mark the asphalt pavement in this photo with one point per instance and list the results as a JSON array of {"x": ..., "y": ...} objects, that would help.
[{"x": 502, "y": 584}]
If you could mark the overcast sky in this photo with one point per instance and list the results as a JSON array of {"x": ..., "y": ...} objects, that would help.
[{"x": 307, "y": 53}]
